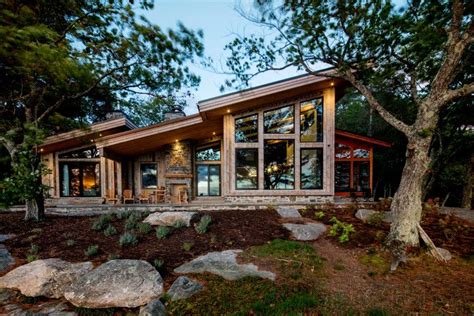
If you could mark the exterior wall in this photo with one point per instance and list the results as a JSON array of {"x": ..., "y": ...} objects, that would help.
[
  {"x": 178, "y": 168},
  {"x": 268, "y": 199}
]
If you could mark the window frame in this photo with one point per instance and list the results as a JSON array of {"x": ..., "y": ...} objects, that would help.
[
  {"x": 243, "y": 117},
  {"x": 278, "y": 108},
  {"x": 322, "y": 120},
  {"x": 235, "y": 170}
]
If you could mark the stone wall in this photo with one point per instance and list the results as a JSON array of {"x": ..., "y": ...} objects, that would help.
[
  {"x": 277, "y": 199},
  {"x": 178, "y": 167}
]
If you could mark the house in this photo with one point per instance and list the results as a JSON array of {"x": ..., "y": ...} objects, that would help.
[{"x": 269, "y": 144}]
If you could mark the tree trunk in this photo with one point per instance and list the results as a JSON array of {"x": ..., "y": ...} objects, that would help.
[
  {"x": 467, "y": 190},
  {"x": 407, "y": 202},
  {"x": 35, "y": 205}
]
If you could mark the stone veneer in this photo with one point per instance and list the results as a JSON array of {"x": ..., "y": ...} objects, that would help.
[
  {"x": 276, "y": 199},
  {"x": 178, "y": 161}
]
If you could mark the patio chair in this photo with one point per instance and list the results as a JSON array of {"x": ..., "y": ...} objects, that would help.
[
  {"x": 160, "y": 194},
  {"x": 111, "y": 197},
  {"x": 183, "y": 195},
  {"x": 144, "y": 197},
  {"x": 128, "y": 196}
]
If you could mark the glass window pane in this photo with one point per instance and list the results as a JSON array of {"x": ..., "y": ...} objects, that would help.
[
  {"x": 148, "y": 173},
  {"x": 279, "y": 164},
  {"x": 343, "y": 151},
  {"x": 360, "y": 153},
  {"x": 214, "y": 180},
  {"x": 361, "y": 177},
  {"x": 279, "y": 121},
  {"x": 208, "y": 180},
  {"x": 202, "y": 180},
  {"x": 246, "y": 165},
  {"x": 311, "y": 120},
  {"x": 90, "y": 180},
  {"x": 79, "y": 179},
  {"x": 312, "y": 168},
  {"x": 91, "y": 152},
  {"x": 246, "y": 129},
  {"x": 209, "y": 153},
  {"x": 342, "y": 176}
]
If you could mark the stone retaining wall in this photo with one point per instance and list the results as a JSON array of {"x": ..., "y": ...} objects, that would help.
[{"x": 265, "y": 199}]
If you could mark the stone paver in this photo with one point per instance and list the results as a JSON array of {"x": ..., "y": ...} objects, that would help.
[
  {"x": 309, "y": 231},
  {"x": 288, "y": 212}
]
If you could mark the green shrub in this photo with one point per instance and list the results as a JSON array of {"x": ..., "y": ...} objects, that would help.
[
  {"x": 271, "y": 208},
  {"x": 100, "y": 223},
  {"x": 375, "y": 219},
  {"x": 158, "y": 263},
  {"x": 144, "y": 228},
  {"x": 122, "y": 215},
  {"x": 319, "y": 215},
  {"x": 34, "y": 249},
  {"x": 92, "y": 250},
  {"x": 162, "y": 232},
  {"x": 70, "y": 242},
  {"x": 31, "y": 258},
  {"x": 202, "y": 226},
  {"x": 128, "y": 239},
  {"x": 113, "y": 256},
  {"x": 179, "y": 224},
  {"x": 187, "y": 246},
  {"x": 110, "y": 230},
  {"x": 341, "y": 229},
  {"x": 132, "y": 221}
]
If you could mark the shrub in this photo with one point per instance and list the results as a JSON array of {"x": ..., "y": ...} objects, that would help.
[
  {"x": 341, "y": 229},
  {"x": 271, "y": 208},
  {"x": 162, "y": 232},
  {"x": 31, "y": 258},
  {"x": 101, "y": 222},
  {"x": 113, "y": 256},
  {"x": 375, "y": 219},
  {"x": 179, "y": 224},
  {"x": 128, "y": 239},
  {"x": 319, "y": 215},
  {"x": 122, "y": 215},
  {"x": 70, "y": 242},
  {"x": 34, "y": 249},
  {"x": 132, "y": 221},
  {"x": 187, "y": 246},
  {"x": 202, "y": 226},
  {"x": 92, "y": 250},
  {"x": 158, "y": 263},
  {"x": 110, "y": 230},
  {"x": 144, "y": 228}
]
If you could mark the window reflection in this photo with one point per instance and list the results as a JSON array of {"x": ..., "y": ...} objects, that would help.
[
  {"x": 343, "y": 151},
  {"x": 148, "y": 174},
  {"x": 208, "y": 180},
  {"x": 361, "y": 176},
  {"x": 311, "y": 120},
  {"x": 279, "y": 121},
  {"x": 80, "y": 179},
  {"x": 279, "y": 164},
  {"x": 342, "y": 176},
  {"x": 209, "y": 153},
  {"x": 312, "y": 168},
  {"x": 360, "y": 153},
  {"x": 246, "y": 165},
  {"x": 246, "y": 130},
  {"x": 91, "y": 152}
]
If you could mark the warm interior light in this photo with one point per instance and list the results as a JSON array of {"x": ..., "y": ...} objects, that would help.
[
  {"x": 100, "y": 134},
  {"x": 332, "y": 84},
  {"x": 228, "y": 110},
  {"x": 92, "y": 140},
  {"x": 176, "y": 140},
  {"x": 213, "y": 133},
  {"x": 41, "y": 149}
]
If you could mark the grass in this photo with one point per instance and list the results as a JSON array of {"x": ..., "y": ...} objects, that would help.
[
  {"x": 110, "y": 231},
  {"x": 128, "y": 239},
  {"x": 376, "y": 263},
  {"x": 101, "y": 222},
  {"x": 203, "y": 225},
  {"x": 92, "y": 251},
  {"x": 162, "y": 232},
  {"x": 144, "y": 228}
]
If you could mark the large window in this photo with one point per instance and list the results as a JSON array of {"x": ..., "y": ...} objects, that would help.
[
  {"x": 311, "y": 120},
  {"x": 208, "y": 180},
  {"x": 246, "y": 129},
  {"x": 279, "y": 121},
  {"x": 311, "y": 168},
  {"x": 148, "y": 175},
  {"x": 86, "y": 153},
  {"x": 246, "y": 166},
  {"x": 209, "y": 152},
  {"x": 279, "y": 165}
]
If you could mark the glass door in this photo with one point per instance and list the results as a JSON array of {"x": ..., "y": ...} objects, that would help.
[{"x": 208, "y": 180}]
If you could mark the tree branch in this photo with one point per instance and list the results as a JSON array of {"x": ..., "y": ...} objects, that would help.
[
  {"x": 451, "y": 95},
  {"x": 10, "y": 146}
]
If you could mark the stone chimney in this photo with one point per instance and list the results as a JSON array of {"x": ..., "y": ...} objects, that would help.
[{"x": 174, "y": 114}]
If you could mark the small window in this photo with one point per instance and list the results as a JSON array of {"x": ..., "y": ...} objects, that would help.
[
  {"x": 246, "y": 166},
  {"x": 311, "y": 120},
  {"x": 279, "y": 121},
  {"x": 246, "y": 129},
  {"x": 361, "y": 176},
  {"x": 311, "y": 168},
  {"x": 360, "y": 153},
  {"x": 343, "y": 151},
  {"x": 279, "y": 164},
  {"x": 148, "y": 173},
  {"x": 91, "y": 152},
  {"x": 209, "y": 153},
  {"x": 343, "y": 176}
]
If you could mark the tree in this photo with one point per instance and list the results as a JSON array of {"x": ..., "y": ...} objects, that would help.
[
  {"x": 418, "y": 52},
  {"x": 69, "y": 58}
]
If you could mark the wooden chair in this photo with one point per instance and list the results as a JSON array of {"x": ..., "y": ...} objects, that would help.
[
  {"x": 128, "y": 196},
  {"x": 111, "y": 197},
  {"x": 144, "y": 197},
  {"x": 183, "y": 195},
  {"x": 160, "y": 194}
]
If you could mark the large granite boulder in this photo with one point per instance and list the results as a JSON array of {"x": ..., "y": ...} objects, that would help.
[
  {"x": 48, "y": 277},
  {"x": 309, "y": 231},
  {"x": 288, "y": 212},
  {"x": 170, "y": 218},
  {"x": 117, "y": 283},
  {"x": 154, "y": 308},
  {"x": 224, "y": 264},
  {"x": 183, "y": 288},
  {"x": 6, "y": 258}
]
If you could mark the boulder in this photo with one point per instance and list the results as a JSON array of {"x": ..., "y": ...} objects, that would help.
[
  {"x": 363, "y": 214},
  {"x": 6, "y": 258},
  {"x": 4, "y": 237},
  {"x": 309, "y": 231},
  {"x": 445, "y": 253},
  {"x": 183, "y": 288},
  {"x": 117, "y": 283},
  {"x": 224, "y": 264},
  {"x": 288, "y": 212},
  {"x": 49, "y": 277},
  {"x": 170, "y": 218},
  {"x": 154, "y": 308}
]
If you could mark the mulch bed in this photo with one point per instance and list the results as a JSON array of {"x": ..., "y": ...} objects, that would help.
[
  {"x": 236, "y": 229},
  {"x": 446, "y": 231}
]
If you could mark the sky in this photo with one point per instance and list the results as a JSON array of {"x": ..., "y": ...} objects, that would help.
[{"x": 220, "y": 22}]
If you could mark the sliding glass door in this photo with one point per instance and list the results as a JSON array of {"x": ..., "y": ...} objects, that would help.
[{"x": 208, "y": 180}]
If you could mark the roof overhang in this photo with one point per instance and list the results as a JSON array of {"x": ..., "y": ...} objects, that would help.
[{"x": 362, "y": 138}]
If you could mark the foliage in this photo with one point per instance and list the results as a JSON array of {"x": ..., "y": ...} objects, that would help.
[
  {"x": 162, "y": 232},
  {"x": 92, "y": 251},
  {"x": 70, "y": 243},
  {"x": 271, "y": 208},
  {"x": 101, "y": 222},
  {"x": 132, "y": 221},
  {"x": 179, "y": 224},
  {"x": 158, "y": 264},
  {"x": 340, "y": 229},
  {"x": 113, "y": 256},
  {"x": 128, "y": 239},
  {"x": 34, "y": 249},
  {"x": 31, "y": 258},
  {"x": 144, "y": 228},
  {"x": 202, "y": 226},
  {"x": 123, "y": 214},
  {"x": 375, "y": 219},
  {"x": 187, "y": 246},
  {"x": 319, "y": 215},
  {"x": 110, "y": 230}
]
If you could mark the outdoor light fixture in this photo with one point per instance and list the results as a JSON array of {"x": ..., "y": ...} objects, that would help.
[{"x": 228, "y": 110}]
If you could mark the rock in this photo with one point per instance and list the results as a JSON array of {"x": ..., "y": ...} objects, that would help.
[
  {"x": 49, "y": 277},
  {"x": 309, "y": 231},
  {"x": 6, "y": 296},
  {"x": 445, "y": 253},
  {"x": 4, "y": 237},
  {"x": 387, "y": 217},
  {"x": 6, "y": 258},
  {"x": 183, "y": 288},
  {"x": 363, "y": 214},
  {"x": 54, "y": 308},
  {"x": 224, "y": 264},
  {"x": 170, "y": 218},
  {"x": 154, "y": 308},
  {"x": 117, "y": 283},
  {"x": 288, "y": 212}
]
